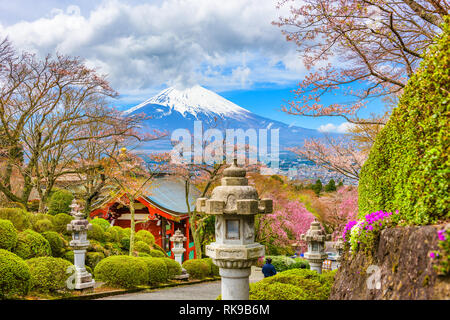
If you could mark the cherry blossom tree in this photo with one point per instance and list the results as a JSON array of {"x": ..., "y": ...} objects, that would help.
[{"x": 363, "y": 49}]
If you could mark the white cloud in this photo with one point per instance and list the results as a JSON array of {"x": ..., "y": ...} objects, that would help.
[
  {"x": 223, "y": 45},
  {"x": 329, "y": 127}
]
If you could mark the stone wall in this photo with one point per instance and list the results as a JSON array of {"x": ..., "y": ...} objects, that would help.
[{"x": 405, "y": 269}]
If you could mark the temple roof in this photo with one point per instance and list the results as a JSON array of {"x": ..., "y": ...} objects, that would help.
[{"x": 168, "y": 193}]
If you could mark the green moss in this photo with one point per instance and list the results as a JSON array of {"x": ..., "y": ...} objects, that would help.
[
  {"x": 8, "y": 235},
  {"x": 141, "y": 246},
  {"x": 43, "y": 225},
  {"x": 156, "y": 253},
  {"x": 408, "y": 166}
]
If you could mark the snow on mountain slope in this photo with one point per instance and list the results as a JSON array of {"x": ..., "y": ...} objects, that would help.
[{"x": 194, "y": 101}]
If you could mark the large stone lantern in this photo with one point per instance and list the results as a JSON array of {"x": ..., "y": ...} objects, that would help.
[
  {"x": 234, "y": 205},
  {"x": 79, "y": 227},
  {"x": 178, "y": 249},
  {"x": 315, "y": 238}
]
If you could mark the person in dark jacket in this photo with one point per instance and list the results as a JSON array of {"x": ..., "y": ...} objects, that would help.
[{"x": 268, "y": 269}]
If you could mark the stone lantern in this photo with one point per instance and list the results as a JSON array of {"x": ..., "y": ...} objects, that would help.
[
  {"x": 315, "y": 238},
  {"x": 178, "y": 249},
  {"x": 339, "y": 246},
  {"x": 79, "y": 227},
  {"x": 234, "y": 205}
]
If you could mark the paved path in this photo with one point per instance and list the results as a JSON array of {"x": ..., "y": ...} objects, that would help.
[{"x": 201, "y": 291}]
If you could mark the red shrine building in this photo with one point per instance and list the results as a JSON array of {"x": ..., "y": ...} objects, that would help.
[{"x": 161, "y": 210}]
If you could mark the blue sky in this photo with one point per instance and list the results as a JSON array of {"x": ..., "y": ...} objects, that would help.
[{"x": 229, "y": 47}]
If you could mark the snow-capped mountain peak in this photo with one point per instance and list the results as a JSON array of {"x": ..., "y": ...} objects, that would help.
[{"x": 194, "y": 100}]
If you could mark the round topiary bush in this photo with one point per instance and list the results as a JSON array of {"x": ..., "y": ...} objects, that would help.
[
  {"x": 146, "y": 236},
  {"x": 157, "y": 270},
  {"x": 93, "y": 258},
  {"x": 96, "y": 233},
  {"x": 55, "y": 241},
  {"x": 101, "y": 222},
  {"x": 60, "y": 202},
  {"x": 408, "y": 165},
  {"x": 15, "y": 275},
  {"x": 141, "y": 246},
  {"x": 20, "y": 218},
  {"x": 43, "y": 225},
  {"x": 115, "y": 233},
  {"x": 173, "y": 267},
  {"x": 156, "y": 253},
  {"x": 48, "y": 273},
  {"x": 122, "y": 271},
  {"x": 214, "y": 270},
  {"x": 8, "y": 235},
  {"x": 31, "y": 244},
  {"x": 60, "y": 222},
  {"x": 197, "y": 268},
  {"x": 35, "y": 217}
]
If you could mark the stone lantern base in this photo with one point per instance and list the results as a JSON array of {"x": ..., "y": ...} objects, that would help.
[
  {"x": 235, "y": 283},
  {"x": 83, "y": 279}
]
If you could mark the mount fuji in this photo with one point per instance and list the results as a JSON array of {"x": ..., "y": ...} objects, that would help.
[{"x": 172, "y": 109}]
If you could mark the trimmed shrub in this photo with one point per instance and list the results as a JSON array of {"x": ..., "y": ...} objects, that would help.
[
  {"x": 115, "y": 233},
  {"x": 158, "y": 248},
  {"x": 15, "y": 275},
  {"x": 282, "y": 263},
  {"x": 146, "y": 236},
  {"x": 141, "y": 246},
  {"x": 8, "y": 235},
  {"x": 408, "y": 165},
  {"x": 214, "y": 270},
  {"x": 35, "y": 217},
  {"x": 173, "y": 267},
  {"x": 60, "y": 202},
  {"x": 31, "y": 244},
  {"x": 101, "y": 222},
  {"x": 48, "y": 273},
  {"x": 125, "y": 244},
  {"x": 93, "y": 258},
  {"x": 69, "y": 256},
  {"x": 43, "y": 225},
  {"x": 197, "y": 268},
  {"x": 55, "y": 241},
  {"x": 157, "y": 254},
  {"x": 20, "y": 218},
  {"x": 60, "y": 222},
  {"x": 96, "y": 233},
  {"x": 157, "y": 270},
  {"x": 122, "y": 271},
  {"x": 299, "y": 263}
]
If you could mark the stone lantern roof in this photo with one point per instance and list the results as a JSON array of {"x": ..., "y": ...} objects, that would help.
[
  {"x": 178, "y": 237},
  {"x": 315, "y": 233}
]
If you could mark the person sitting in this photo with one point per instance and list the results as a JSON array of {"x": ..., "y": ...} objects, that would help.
[{"x": 268, "y": 269}]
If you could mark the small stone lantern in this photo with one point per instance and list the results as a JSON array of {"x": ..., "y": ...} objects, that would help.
[
  {"x": 339, "y": 246},
  {"x": 79, "y": 227},
  {"x": 178, "y": 249},
  {"x": 234, "y": 205},
  {"x": 315, "y": 238}
]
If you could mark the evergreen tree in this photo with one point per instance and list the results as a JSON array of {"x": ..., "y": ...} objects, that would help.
[
  {"x": 331, "y": 186},
  {"x": 317, "y": 187}
]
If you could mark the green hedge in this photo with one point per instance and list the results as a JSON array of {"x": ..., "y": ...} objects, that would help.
[
  {"x": 8, "y": 235},
  {"x": 197, "y": 268},
  {"x": 173, "y": 267},
  {"x": 141, "y": 246},
  {"x": 96, "y": 233},
  {"x": 294, "y": 284},
  {"x": 55, "y": 241},
  {"x": 408, "y": 165},
  {"x": 31, "y": 244},
  {"x": 146, "y": 236},
  {"x": 157, "y": 270},
  {"x": 59, "y": 202},
  {"x": 101, "y": 222},
  {"x": 282, "y": 263},
  {"x": 43, "y": 225},
  {"x": 60, "y": 222},
  {"x": 20, "y": 218},
  {"x": 122, "y": 271},
  {"x": 157, "y": 253},
  {"x": 15, "y": 276},
  {"x": 48, "y": 273}
]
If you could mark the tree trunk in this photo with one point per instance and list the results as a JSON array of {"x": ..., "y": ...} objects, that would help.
[
  {"x": 193, "y": 224},
  {"x": 132, "y": 226}
]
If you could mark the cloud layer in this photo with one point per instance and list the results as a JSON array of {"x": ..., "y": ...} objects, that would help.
[
  {"x": 341, "y": 128},
  {"x": 224, "y": 45}
]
